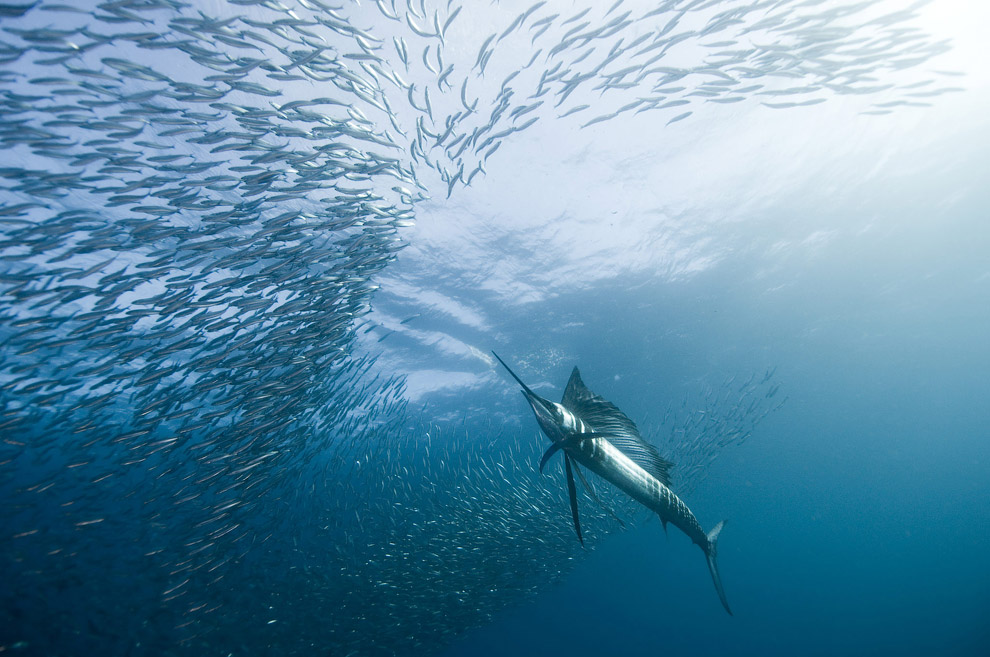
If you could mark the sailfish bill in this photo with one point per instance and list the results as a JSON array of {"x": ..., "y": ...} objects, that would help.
[{"x": 593, "y": 432}]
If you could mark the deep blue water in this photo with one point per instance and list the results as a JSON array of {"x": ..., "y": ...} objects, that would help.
[
  {"x": 857, "y": 514},
  {"x": 246, "y": 401}
]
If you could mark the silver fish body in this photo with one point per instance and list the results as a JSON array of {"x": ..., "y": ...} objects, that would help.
[
  {"x": 609, "y": 463},
  {"x": 594, "y": 433}
]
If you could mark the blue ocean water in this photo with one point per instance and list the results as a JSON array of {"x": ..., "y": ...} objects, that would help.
[
  {"x": 857, "y": 514},
  {"x": 247, "y": 401}
]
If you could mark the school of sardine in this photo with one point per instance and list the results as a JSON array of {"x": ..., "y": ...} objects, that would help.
[{"x": 195, "y": 200}]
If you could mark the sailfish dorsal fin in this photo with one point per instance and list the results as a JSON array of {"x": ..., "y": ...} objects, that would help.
[{"x": 603, "y": 417}]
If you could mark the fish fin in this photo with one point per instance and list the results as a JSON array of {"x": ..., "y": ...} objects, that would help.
[
  {"x": 663, "y": 521},
  {"x": 550, "y": 452},
  {"x": 574, "y": 390},
  {"x": 572, "y": 493},
  {"x": 576, "y": 438},
  {"x": 710, "y": 555},
  {"x": 610, "y": 423},
  {"x": 591, "y": 491}
]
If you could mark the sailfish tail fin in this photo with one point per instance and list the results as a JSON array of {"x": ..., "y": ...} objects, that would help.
[{"x": 710, "y": 555}]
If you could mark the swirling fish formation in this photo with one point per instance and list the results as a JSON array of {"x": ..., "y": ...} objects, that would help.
[{"x": 194, "y": 203}]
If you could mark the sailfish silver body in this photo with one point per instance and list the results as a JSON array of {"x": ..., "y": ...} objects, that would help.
[
  {"x": 594, "y": 433},
  {"x": 606, "y": 461}
]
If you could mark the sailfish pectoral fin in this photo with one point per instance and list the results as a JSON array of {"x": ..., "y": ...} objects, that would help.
[
  {"x": 572, "y": 493},
  {"x": 553, "y": 448},
  {"x": 550, "y": 452},
  {"x": 591, "y": 491}
]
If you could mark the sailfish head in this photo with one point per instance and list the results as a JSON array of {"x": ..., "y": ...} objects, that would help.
[
  {"x": 556, "y": 422},
  {"x": 549, "y": 415}
]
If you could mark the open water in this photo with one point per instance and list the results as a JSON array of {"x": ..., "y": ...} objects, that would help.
[{"x": 254, "y": 255}]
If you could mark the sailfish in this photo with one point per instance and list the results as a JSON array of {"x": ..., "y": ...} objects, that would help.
[{"x": 594, "y": 433}]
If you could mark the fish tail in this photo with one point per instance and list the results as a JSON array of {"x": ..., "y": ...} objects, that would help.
[{"x": 710, "y": 554}]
